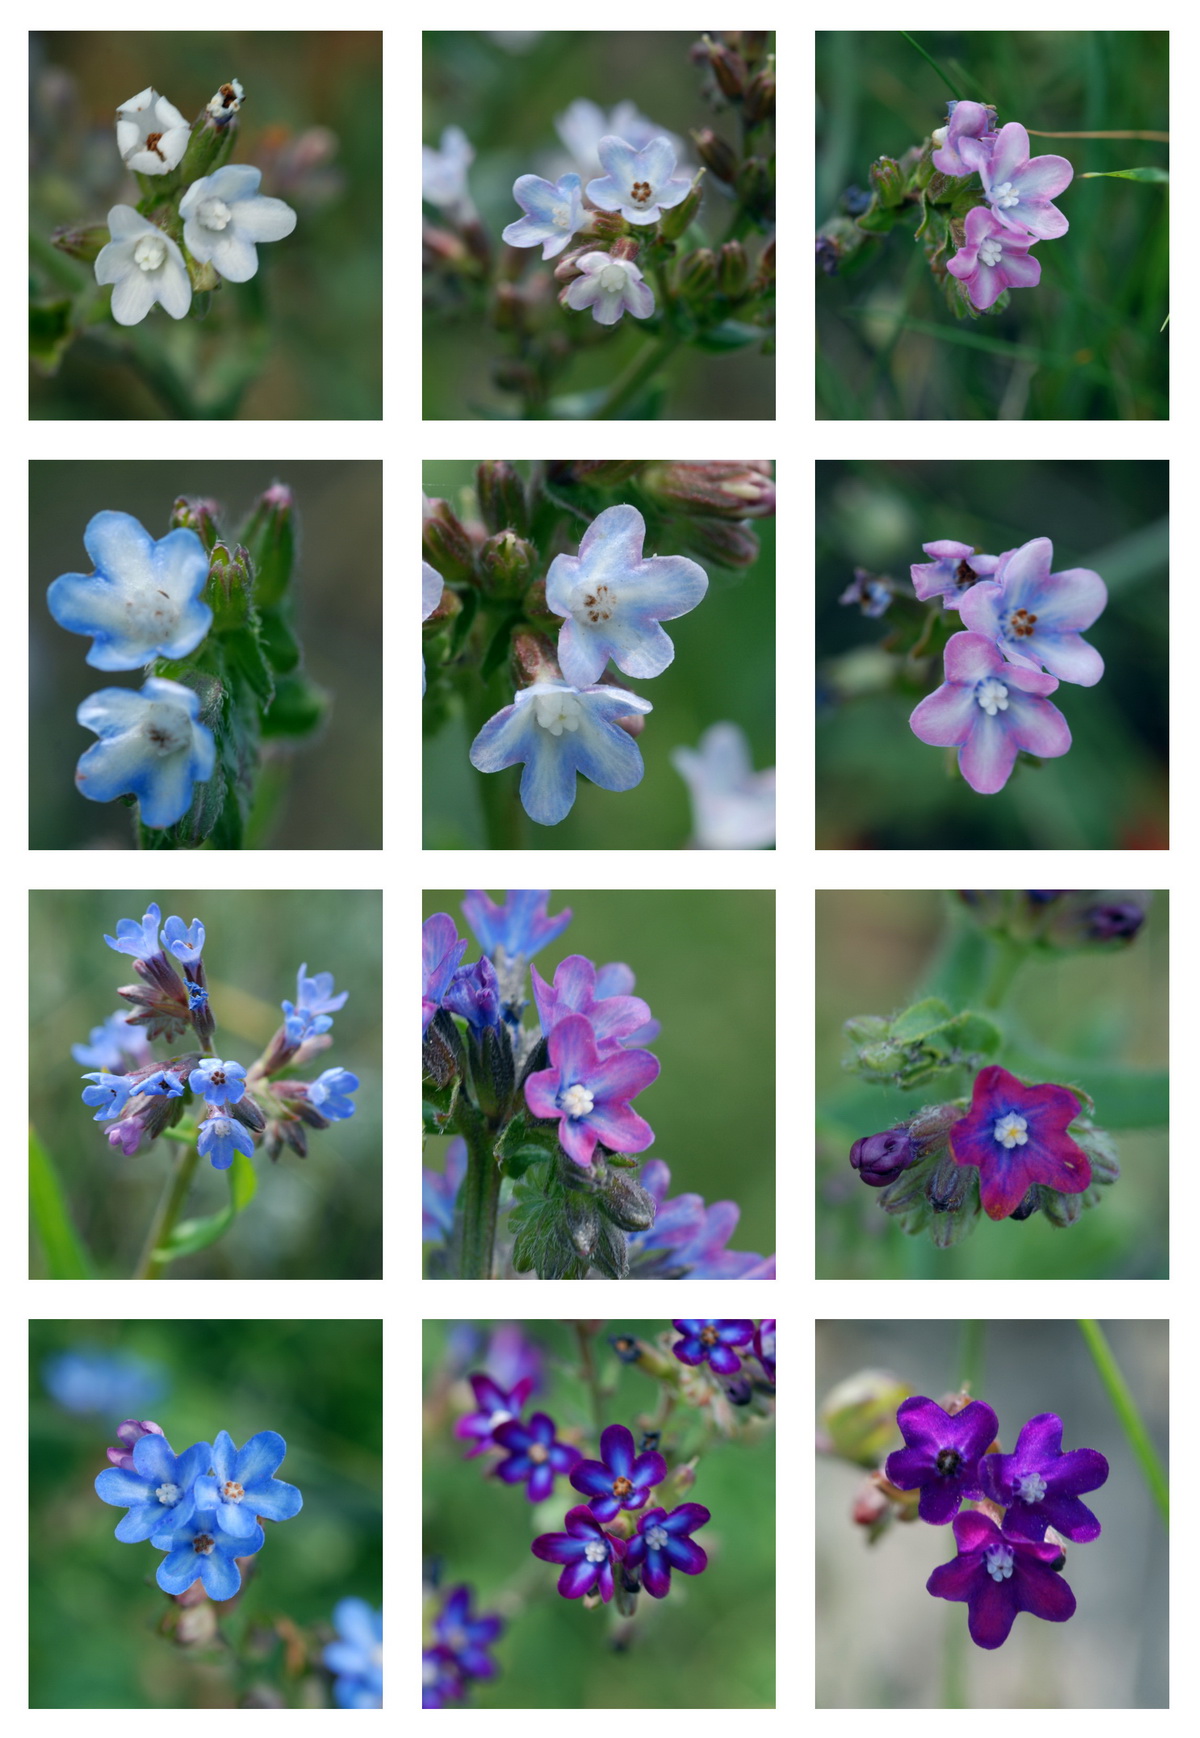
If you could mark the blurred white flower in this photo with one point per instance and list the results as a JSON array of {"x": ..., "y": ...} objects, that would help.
[{"x": 733, "y": 807}]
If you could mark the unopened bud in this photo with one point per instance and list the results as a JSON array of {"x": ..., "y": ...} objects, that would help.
[
  {"x": 750, "y": 44},
  {"x": 715, "y": 153},
  {"x": 533, "y": 659},
  {"x": 724, "y": 541},
  {"x": 505, "y": 563},
  {"x": 501, "y": 495},
  {"x": 698, "y": 275},
  {"x": 887, "y": 180},
  {"x": 857, "y": 1419},
  {"x": 199, "y": 514},
  {"x": 729, "y": 69},
  {"x": 81, "y": 240},
  {"x": 765, "y": 276},
  {"x": 879, "y": 1159},
  {"x": 625, "y": 247},
  {"x": 733, "y": 270},
  {"x": 536, "y": 607},
  {"x": 270, "y": 536},
  {"x": 567, "y": 268},
  {"x": 447, "y": 547},
  {"x": 726, "y": 489},
  {"x": 756, "y": 186},
  {"x": 440, "y": 247},
  {"x": 675, "y": 222},
  {"x": 759, "y": 102}
]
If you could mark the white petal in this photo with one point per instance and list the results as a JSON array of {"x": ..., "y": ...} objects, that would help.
[
  {"x": 234, "y": 256},
  {"x": 174, "y": 288},
  {"x": 133, "y": 297},
  {"x": 262, "y": 219}
]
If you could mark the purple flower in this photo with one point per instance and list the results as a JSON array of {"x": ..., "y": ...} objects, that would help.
[
  {"x": 1017, "y": 1136},
  {"x": 619, "y": 1479},
  {"x": 159, "y": 1489},
  {"x": 467, "y": 1638},
  {"x": 242, "y": 1488},
  {"x": 967, "y": 121},
  {"x": 617, "y": 979},
  {"x": 553, "y": 212},
  {"x": 879, "y": 1159},
  {"x": 872, "y": 594},
  {"x": 613, "y": 1018},
  {"x": 764, "y": 1346},
  {"x": 1117, "y": 922},
  {"x": 662, "y": 1544},
  {"x": 441, "y": 1682},
  {"x": 1018, "y": 189},
  {"x": 613, "y": 599},
  {"x": 474, "y": 995},
  {"x": 638, "y": 184},
  {"x": 535, "y": 1458},
  {"x": 954, "y": 567},
  {"x": 997, "y": 1575},
  {"x": 556, "y": 732},
  {"x": 688, "y": 1238},
  {"x": 993, "y": 258},
  {"x": 1034, "y": 616},
  {"x": 441, "y": 949},
  {"x": 495, "y": 1407},
  {"x": 130, "y": 1432},
  {"x": 989, "y": 709},
  {"x": 609, "y": 287},
  {"x": 589, "y": 1094},
  {"x": 712, "y": 1342},
  {"x": 941, "y": 1454},
  {"x": 1040, "y": 1486},
  {"x": 587, "y": 1551},
  {"x": 438, "y": 1192},
  {"x": 521, "y": 926}
]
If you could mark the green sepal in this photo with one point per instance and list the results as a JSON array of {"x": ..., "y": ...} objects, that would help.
[
  {"x": 279, "y": 641},
  {"x": 922, "y": 1018},
  {"x": 269, "y": 533},
  {"x": 437, "y": 1105},
  {"x": 877, "y": 219},
  {"x": 50, "y": 333},
  {"x": 244, "y": 651},
  {"x": 207, "y": 149}
]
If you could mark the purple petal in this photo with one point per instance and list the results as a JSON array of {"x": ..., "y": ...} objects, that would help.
[
  {"x": 577, "y": 1578},
  {"x": 1034, "y": 725},
  {"x": 556, "y": 1548},
  {"x": 685, "y": 1519},
  {"x": 992, "y": 1610},
  {"x": 541, "y": 1482},
  {"x": 1010, "y": 154},
  {"x": 945, "y": 717},
  {"x": 686, "y": 1556},
  {"x": 592, "y": 1477},
  {"x": 656, "y": 1576},
  {"x": 541, "y": 1093},
  {"x": 954, "y": 1580},
  {"x": 578, "y": 1140},
  {"x": 623, "y": 1075},
  {"x": 619, "y": 1127},
  {"x": 970, "y": 658},
  {"x": 986, "y": 758},
  {"x": 1072, "y": 600},
  {"x": 616, "y": 1447},
  {"x": 1043, "y": 177},
  {"x": 982, "y": 608},
  {"x": 651, "y": 1469},
  {"x": 939, "y": 1500},
  {"x": 1040, "y": 1590},
  {"x": 1081, "y": 1469}
]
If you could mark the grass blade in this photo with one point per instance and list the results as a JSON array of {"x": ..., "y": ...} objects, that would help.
[{"x": 66, "y": 1257}]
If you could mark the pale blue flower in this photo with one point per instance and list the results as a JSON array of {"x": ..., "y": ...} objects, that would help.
[
  {"x": 152, "y": 746},
  {"x": 557, "y": 731},
  {"x": 641, "y": 185},
  {"x": 609, "y": 287},
  {"x": 733, "y": 807},
  {"x": 553, "y": 212},
  {"x": 225, "y": 217},
  {"x": 142, "y": 602},
  {"x": 444, "y": 173}
]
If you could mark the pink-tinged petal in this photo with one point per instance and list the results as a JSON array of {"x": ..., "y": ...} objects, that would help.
[
  {"x": 575, "y": 983},
  {"x": 1020, "y": 268},
  {"x": 619, "y": 1016},
  {"x": 578, "y": 1140},
  {"x": 1026, "y": 571},
  {"x": 624, "y": 1075},
  {"x": 975, "y": 1531},
  {"x": 944, "y": 718},
  {"x": 1010, "y": 154},
  {"x": 1043, "y": 177},
  {"x": 963, "y": 263},
  {"x": 618, "y": 1127},
  {"x": 975, "y": 154},
  {"x": 1069, "y": 601},
  {"x": 982, "y": 608},
  {"x": 986, "y": 758},
  {"x": 544, "y": 999},
  {"x": 987, "y": 284},
  {"x": 573, "y": 1050},
  {"x": 541, "y": 1093},
  {"x": 1034, "y": 724},
  {"x": 584, "y": 291},
  {"x": 970, "y": 658},
  {"x": 1041, "y": 222},
  {"x": 1022, "y": 680},
  {"x": 946, "y": 549}
]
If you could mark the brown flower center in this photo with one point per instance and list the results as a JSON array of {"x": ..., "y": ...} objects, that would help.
[
  {"x": 642, "y": 192},
  {"x": 622, "y": 1487},
  {"x": 1023, "y": 623}
]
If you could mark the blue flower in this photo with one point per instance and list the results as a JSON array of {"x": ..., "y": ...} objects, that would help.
[
  {"x": 441, "y": 949},
  {"x": 315, "y": 1001},
  {"x": 521, "y": 926},
  {"x": 241, "y": 1486},
  {"x": 220, "y": 1137},
  {"x": 142, "y": 602},
  {"x": 114, "y": 1045},
  {"x": 553, "y": 212},
  {"x": 185, "y": 941},
  {"x": 218, "y": 1082},
  {"x": 89, "y": 1380},
  {"x": 641, "y": 185},
  {"x": 138, "y": 939},
  {"x": 327, "y": 1093},
  {"x": 159, "y": 1493},
  {"x": 438, "y": 1192},
  {"x": 613, "y": 599},
  {"x": 356, "y": 1657},
  {"x": 152, "y": 746},
  {"x": 163, "y": 1083},
  {"x": 110, "y": 1094},
  {"x": 200, "y": 1550},
  {"x": 474, "y": 995},
  {"x": 558, "y": 731}
]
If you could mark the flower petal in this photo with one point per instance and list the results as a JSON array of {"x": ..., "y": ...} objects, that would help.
[
  {"x": 986, "y": 758},
  {"x": 1035, "y": 725},
  {"x": 945, "y": 718}
]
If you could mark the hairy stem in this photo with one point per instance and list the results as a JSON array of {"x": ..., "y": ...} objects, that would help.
[
  {"x": 479, "y": 1196},
  {"x": 587, "y": 1363},
  {"x": 1126, "y": 1409},
  {"x": 643, "y": 369},
  {"x": 169, "y": 1207}
]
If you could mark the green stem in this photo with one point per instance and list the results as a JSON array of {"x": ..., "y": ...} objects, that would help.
[
  {"x": 970, "y": 1357},
  {"x": 167, "y": 1212},
  {"x": 1007, "y": 956},
  {"x": 503, "y": 816},
  {"x": 635, "y": 377},
  {"x": 1126, "y": 1409},
  {"x": 479, "y": 1197},
  {"x": 587, "y": 1364},
  {"x": 933, "y": 63},
  {"x": 954, "y": 1660}
]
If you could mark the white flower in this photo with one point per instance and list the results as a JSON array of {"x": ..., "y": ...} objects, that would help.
[
  {"x": 224, "y": 216},
  {"x": 152, "y": 135},
  {"x": 733, "y": 807},
  {"x": 444, "y": 172},
  {"x": 608, "y": 287},
  {"x": 144, "y": 266},
  {"x": 227, "y": 101}
]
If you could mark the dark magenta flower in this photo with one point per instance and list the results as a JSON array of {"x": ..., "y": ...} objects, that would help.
[
  {"x": 441, "y": 1683},
  {"x": 1040, "y": 1486},
  {"x": 996, "y": 1575},
  {"x": 467, "y": 1638},
  {"x": 496, "y": 1407},
  {"x": 712, "y": 1342},
  {"x": 589, "y": 1093},
  {"x": 941, "y": 1455},
  {"x": 662, "y": 1544},
  {"x": 535, "y": 1458},
  {"x": 441, "y": 949},
  {"x": 1017, "y": 1136},
  {"x": 619, "y": 1479},
  {"x": 764, "y": 1346},
  {"x": 879, "y": 1159},
  {"x": 586, "y": 1550}
]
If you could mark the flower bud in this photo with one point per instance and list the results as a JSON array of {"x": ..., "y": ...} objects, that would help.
[
  {"x": 879, "y": 1159},
  {"x": 698, "y": 276},
  {"x": 721, "y": 540},
  {"x": 759, "y": 102},
  {"x": 533, "y": 659},
  {"x": 727, "y": 489},
  {"x": 505, "y": 563},
  {"x": 756, "y": 187},
  {"x": 673, "y": 223},
  {"x": 210, "y": 145},
  {"x": 447, "y": 547},
  {"x": 607, "y": 225},
  {"x": 857, "y": 1419},
  {"x": 729, "y": 69},
  {"x": 82, "y": 241},
  {"x": 501, "y": 495},
  {"x": 439, "y": 247},
  {"x": 766, "y": 267},
  {"x": 626, "y": 247},
  {"x": 130, "y": 1431},
  {"x": 751, "y": 44},
  {"x": 887, "y": 181},
  {"x": 536, "y": 608},
  {"x": 566, "y": 270},
  {"x": 199, "y": 514},
  {"x": 270, "y": 536},
  {"x": 733, "y": 270}
]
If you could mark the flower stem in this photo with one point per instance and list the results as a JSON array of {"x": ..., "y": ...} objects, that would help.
[
  {"x": 479, "y": 1197},
  {"x": 954, "y": 1661},
  {"x": 956, "y": 94},
  {"x": 167, "y": 1212},
  {"x": 635, "y": 377},
  {"x": 1126, "y": 1409},
  {"x": 1007, "y": 956},
  {"x": 970, "y": 1357},
  {"x": 588, "y": 1371}
]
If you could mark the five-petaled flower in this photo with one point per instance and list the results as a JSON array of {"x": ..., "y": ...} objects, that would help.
[
  {"x": 954, "y": 567},
  {"x": 152, "y": 135},
  {"x": 1018, "y": 189},
  {"x": 200, "y": 1550},
  {"x": 218, "y": 1082},
  {"x": 534, "y": 1457},
  {"x": 661, "y": 1544},
  {"x": 220, "y": 1137},
  {"x": 1040, "y": 1486},
  {"x": 144, "y": 266},
  {"x": 225, "y": 217},
  {"x": 1017, "y": 1137},
  {"x": 138, "y": 939},
  {"x": 712, "y": 1342},
  {"x": 553, "y": 212},
  {"x": 143, "y": 600},
  {"x": 441, "y": 949},
  {"x": 997, "y": 1574},
  {"x": 577, "y": 990},
  {"x": 329, "y": 1093},
  {"x": 468, "y": 1638},
  {"x": 152, "y": 746},
  {"x": 993, "y": 258},
  {"x": 588, "y": 1093},
  {"x": 159, "y": 1489},
  {"x": 444, "y": 173},
  {"x": 639, "y": 184},
  {"x": 309, "y": 1015},
  {"x": 613, "y": 599},
  {"x": 587, "y": 1551},
  {"x": 109, "y": 1094},
  {"x": 495, "y": 1406},
  {"x": 242, "y": 1487},
  {"x": 609, "y": 287},
  {"x": 356, "y": 1657},
  {"x": 941, "y": 1455},
  {"x": 1035, "y": 616},
  {"x": 520, "y": 927},
  {"x": 558, "y": 731},
  {"x": 620, "y": 1479},
  {"x": 733, "y": 807},
  {"x": 989, "y": 709}
]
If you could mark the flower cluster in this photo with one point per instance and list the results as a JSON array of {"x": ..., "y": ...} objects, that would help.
[
  {"x": 201, "y": 1508},
  {"x": 1012, "y": 1545},
  {"x": 200, "y": 219},
  {"x": 1022, "y": 635},
  {"x": 459, "y": 1655}
]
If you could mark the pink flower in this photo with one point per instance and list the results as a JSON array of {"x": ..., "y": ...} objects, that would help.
[
  {"x": 1016, "y": 1136},
  {"x": 967, "y": 121},
  {"x": 1034, "y": 616},
  {"x": 589, "y": 1094},
  {"x": 1019, "y": 189},
  {"x": 993, "y": 259},
  {"x": 988, "y": 709}
]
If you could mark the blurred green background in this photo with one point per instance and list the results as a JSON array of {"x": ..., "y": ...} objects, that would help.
[
  {"x": 709, "y": 1644},
  {"x": 331, "y": 798},
  {"x": 875, "y": 952},
  {"x": 94, "y": 1605},
  {"x": 314, "y": 1218},
  {"x": 878, "y": 787},
  {"x": 312, "y": 121},
  {"x": 883, "y": 1642},
  {"x": 1086, "y": 342},
  {"x": 705, "y": 962},
  {"x": 505, "y": 95},
  {"x": 724, "y": 668}
]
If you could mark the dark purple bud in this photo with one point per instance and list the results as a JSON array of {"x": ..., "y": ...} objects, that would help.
[
  {"x": 729, "y": 69},
  {"x": 447, "y": 547},
  {"x": 1114, "y": 922},
  {"x": 880, "y": 1159},
  {"x": 501, "y": 497},
  {"x": 1029, "y": 1203},
  {"x": 715, "y": 154}
]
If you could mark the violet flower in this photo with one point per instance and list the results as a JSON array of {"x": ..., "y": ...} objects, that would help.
[
  {"x": 1040, "y": 1486},
  {"x": 764, "y": 1346},
  {"x": 441, "y": 949},
  {"x": 1017, "y": 1137},
  {"x": 967, "y": 121},
  {"x": 496, "y": 1406},
  {"x": 474, "y": 995},
  {"x": 639, "y": 184},
  {"x": 662, "y": 1544},
  {"x": 988, "y": 710},
  {"x": 993, "y": 258},
  {"x": 467, "y": 1638},
  {"x": 941, "y": 1454},
  {"x": 589, "y": 1093},
  {"x": 1019, "y": 189},
  {"x": 688, "y": 1238},
  {"x": 535, "y": 1457},
  {"x": 619, "y": 1479},
  {"x": 712, "y": 1342},
  {"x": 996, "y": 1575},
  {"x": 587, "y": 1551},
  {"x": 955, "y": 567},
  {"x": 613, "y": 1018},
  {"x": 1035, "y": 616}
]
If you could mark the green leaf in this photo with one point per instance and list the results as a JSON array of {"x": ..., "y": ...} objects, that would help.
[
  {"x": 50, "y": 333},
  {"x": 728, "y": 335},
  {"x": 66, "y": 1256},
  {"x": 191, "y": 1235},
  {"x": 244, "y": 650},
  {"x": 971, "y": 1033},
  {"x": 1148, "y": 174},
  {"x": 300, "y": 707},
  {"x": 920, "y": 1020},
  {"x": 278, "y": 641}
]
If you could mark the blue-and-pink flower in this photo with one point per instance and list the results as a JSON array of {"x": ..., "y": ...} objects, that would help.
[
  {"x": 1016, "y": 1136},
  {"x": 989, "y": 710}
]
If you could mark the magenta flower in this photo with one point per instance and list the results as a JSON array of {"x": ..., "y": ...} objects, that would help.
[
  {"x": 993, "y": 259},
  {"x": 1039, "y": 1485},
  {"x": 1035, "y": 616},
  {"x": 989, "y": 709},
  {"x": 955, "y": 567},
  {"x": 613, "y": 1018},
  {"x": 662, "y": 1544},
  {"x": 941, "y": 1455},
  {"x": 587, "y": 1551},
  {"x": 1019, "y": 189},
  {"x": 764, "y": 1346},
  {"x": 535, "y": 1458},
  {"x": 1017, "y": 1136},
  {"x": 441, "y": 949},
  {"x": 617, "y": 979},
  {"x": 967, "y": 121},
  {"x": 996, "y": 1575},
  {"x": 589, "y": 1093},
  {"x": 712, "y": 1342},
  {"x": 496, "y": 1406},
  {"x": 609, "y": 287},
  {"x": 619, "y": 1479}
]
